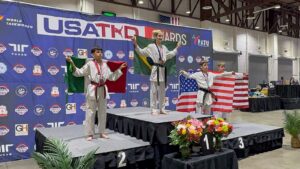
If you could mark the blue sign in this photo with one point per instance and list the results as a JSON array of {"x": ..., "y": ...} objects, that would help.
[{"x": 33, "y": 45}]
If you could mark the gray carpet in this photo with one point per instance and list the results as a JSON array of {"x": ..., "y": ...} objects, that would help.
[
  {"x": 78, "y": 146},
  {"x": 245, "y": 129},
  {"x": 144, "y": 114}
]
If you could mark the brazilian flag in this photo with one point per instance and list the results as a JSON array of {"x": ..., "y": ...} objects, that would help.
[{"x": 141, "y": 65}]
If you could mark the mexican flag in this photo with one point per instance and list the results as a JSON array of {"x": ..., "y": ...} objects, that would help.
[
  {"x": 77, "y": 84},
  {"x": 140, "y": 63}
]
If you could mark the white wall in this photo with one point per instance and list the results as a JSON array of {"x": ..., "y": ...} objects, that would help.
[{"x": 62, "y": 4}]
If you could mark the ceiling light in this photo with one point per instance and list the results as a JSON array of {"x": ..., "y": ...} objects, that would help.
[
  {"x": 250, "y": 17},
  {"x": 188, "y": 12},
  {"x": 207, "y": 7},
  {"x": 206, "y": 4},
  {"x": 271, "y": 7},
  {"x": 227, "y": 20},
  {"x": 277, "y": 6},
  {"x": 140, "y": 2},
  {"x": 256, "y": 27}
]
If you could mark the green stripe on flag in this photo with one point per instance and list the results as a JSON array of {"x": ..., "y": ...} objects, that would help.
[
  {"x": 75, "y": 84},
  {"x": 140, "y": 63}
]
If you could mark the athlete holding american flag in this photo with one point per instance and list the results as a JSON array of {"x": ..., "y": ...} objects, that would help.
[{"x": 204, "y": 81}]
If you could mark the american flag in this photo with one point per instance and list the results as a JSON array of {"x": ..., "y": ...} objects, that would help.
[
  {"x": 240, "y": 98},
  {"x": 231, "y": 93},
  {"x": 188, "y": 90},
  {"x": 173, "y": 20},
  {"x": 223, "y": 88}
]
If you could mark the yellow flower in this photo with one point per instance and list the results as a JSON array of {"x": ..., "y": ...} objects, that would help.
[
  {"x": 192, "y": 131},
  {"x": 183, "y": 131},
  {"x": 188, "y": 125}
]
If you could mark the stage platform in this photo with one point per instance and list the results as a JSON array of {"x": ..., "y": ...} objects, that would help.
[
  {"x": 246, "y": 139},
  {"x": 249, "y": 139},
  {"x": 138, "y": 122},
  {"x": 111, "y": 151}
]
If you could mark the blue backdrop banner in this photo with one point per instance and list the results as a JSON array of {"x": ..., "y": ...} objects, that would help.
[{"x": 33, "y": 44}]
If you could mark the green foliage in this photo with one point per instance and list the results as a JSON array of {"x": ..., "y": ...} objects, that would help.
[
  {"x": 292, "y": 123},
  {"x": 180, "y": 140},
  {"x": 57, "y": 156}
]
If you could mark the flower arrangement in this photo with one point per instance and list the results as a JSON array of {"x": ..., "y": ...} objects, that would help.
[
  {"x": 218, "y": 128},
  {"x": 186, "y": 132}
]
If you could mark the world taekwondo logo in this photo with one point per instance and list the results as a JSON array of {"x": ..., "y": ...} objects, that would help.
[
  {"x": 200, "y": 42},
  {"x": 78, "y": 28}
]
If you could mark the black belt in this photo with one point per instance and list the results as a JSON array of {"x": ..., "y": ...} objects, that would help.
[
  {"x": 208, "y": 91},
  {"x": 160, "y": 65}
]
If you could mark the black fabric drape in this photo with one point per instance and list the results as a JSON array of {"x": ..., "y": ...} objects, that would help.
[
  {"x": 264, "y": 104},
  {"x": 219, "y": 160},
  {"x": 288, "y": 91}
]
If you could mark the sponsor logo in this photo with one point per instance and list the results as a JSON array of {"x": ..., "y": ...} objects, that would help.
[
  {"x": 36, "y": 51},
  {"x": 70, "y": 108},
  {"x": 131, "y": 55},
  {"x": 134, "y": 102},
  {"x": 174, "y": 100},
  {"x": 3, "y": 68},
  {"x": 206, "y": 58},
  {"x": 21, "y": 91},
  {"x": 145, "y": 87},
  {"x": 120, "y": 54},
  {"x": 190, "y": 59},
  {"x": 146, "y": 102},
  {"x": 181, "y": 58},
  {"x": 71, "y": 123},
  {"x": 3, "y": 130},
  {"x": 68, "y": 52},
  {"x": 38, "y": 90},
  {"x": 82, "y": 53},
  {"x": 3, "y": 90},
  {"x": 18, "y": 49},
  {"x": 39, "y": 110},
  {"x": 2, "y": 48},
  {"x": 17, "y": 23},
  {"x": 53, "y": 70},
  {"x": 133, "y": 87},
  {"x": 22, "y": 148},
  {"x": 3, "y": 111},
  {"x": 83, "y": 107},
  {"x": 37, "y": 70},
  {"x": 174, "y": 86},
  {"x": 54, "y": 91},
  {"x": 5, "y": 150},
  {"x": 38, "y": 126},
  {"x": 108, "y": 54},
  {"x": 123, "y": 103},
  {"x": 52, "y": 52},
  {"x": 111, "y": 104},
  {"x": 21, "y": 109},
  {"x": 71, "y": 27},
  {"x": 19, "y": 68},
  {"x": 21, "y": 129},
  {"x": 55, "y": 109},
  {"x": 131, "y": 70},
  {"x": 198, "y": 59},
  {"x": 55, "y": 124},
  {"x": 200, "y": 42}
]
